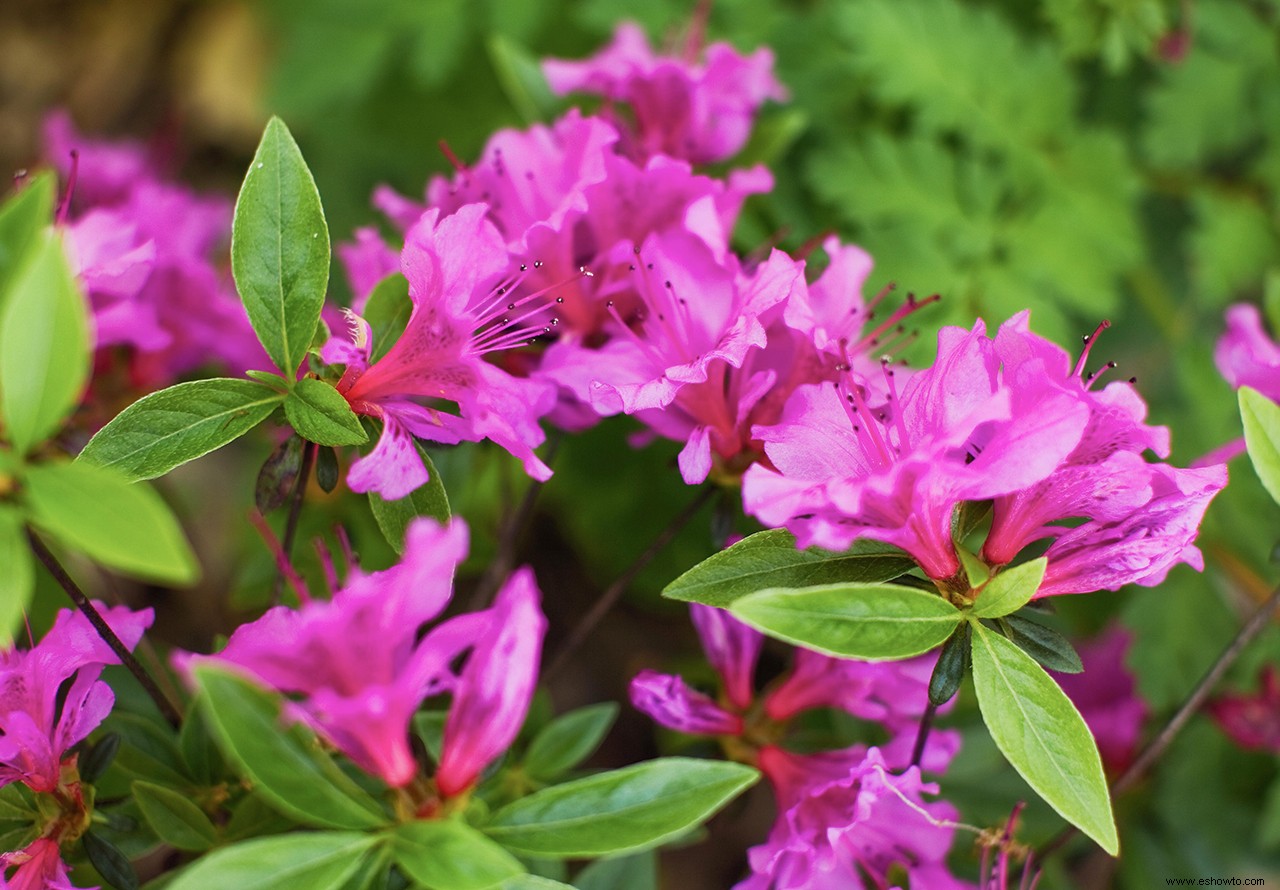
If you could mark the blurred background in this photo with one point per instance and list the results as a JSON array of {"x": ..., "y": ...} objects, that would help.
[{"x": 1088, "y": 159}]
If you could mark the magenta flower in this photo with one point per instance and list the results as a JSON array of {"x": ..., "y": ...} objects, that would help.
[
  {"x": 461, "y": 313},
  {"x": 1252, "y": 721},
  {"x": 358, "y": 667},
  {"x": 51, "y": 696},
  {"x": 39, "y": 867},
  {"x": 701, "y": 112},
  {"x": 1245, "y": 355},
  {"x": 1107, "y": 696},
  {"x": 844, "y": 819}
]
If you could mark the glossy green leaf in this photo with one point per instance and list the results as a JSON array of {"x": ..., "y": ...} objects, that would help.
[
  {"x": 175, "y": 819},
  {"x": 975, "y": 569},
  {"x": 314, "y": 861},
  {"x": 1041, "y": 733},
  {"x": 770, "y": 559},
  {"x": 284, "y": 763},
  {"x": 450, "y": 855},
  {"x": 320, "y": 414},
  {"x": 1050, "y": 648},
  {"x": 175, "y": 425},
  {"x": 870, "y": 621},
  {"x": 280, "y": 248},
  {"x": 327, "y": 469},
  {"x": 951, "y": 666},
  {"x": 1261, "y": 418},
  {"x": 387, "y": 311},
  {"x": 44, "y": 346},
  {"x": 123, "y": 526},
  {"x": 1010, "y": 590},
  {"x": 568, "y": 740},
  {"x": 630, "y": 809},
  {"x": 94, "y": 762},
  {"x": 22, "y": 218},
  {"x": 110, "y": 861},
  {"x": 18, "y": 579},
  {"x": 393, "y": 517}
]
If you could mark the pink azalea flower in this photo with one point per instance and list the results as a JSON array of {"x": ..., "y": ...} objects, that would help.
[
  {"x": 39, "y": 724},
  {"x": 1252, "y": 721},
  {"x": 1245, "y": 355},
  {"x": 151, "y": 257},
  {"x": 461, "y": 313},
  {"x": 845, "y": 468},
  {"x": 1107, "y": 696},
  {"x": 359, "y": 668},
  {"x": 39, "y": 867},
  {"x": 699, "y": 111}
]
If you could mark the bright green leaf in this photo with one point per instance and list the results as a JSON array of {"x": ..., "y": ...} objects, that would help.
[
  {"x": 18, "y": 579},
  {"x": 44, "y": 346},
  {"x": 975, "y": 569},
  {"x": 770, "y": 559},
  {"x": 284, "y": 763},
  {"x": 568, "y": 740},
  {"x": 387, "y": 311},
  {"x": 1261, "y": 418},
  {"x": 1041, "y": 733},
  {"x": 174, "y": 818},
  {"x": 320, "y": 414},
  {"x": 315, "y": 861},
  {"x": 168, "y": 428},
  {"x": 870, "y": 621},
  {"x": 1010, "y": 590},
  {"x": 450, "y": 855},
  {"x": 630, "y": 809},
  {"x": 124, "y": 526},
  {"x": 22, "y": 218},
  {"x": 280, "y": 248},
  {"x": 393, "y": 517}
]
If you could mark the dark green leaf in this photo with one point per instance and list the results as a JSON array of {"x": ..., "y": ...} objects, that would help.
[
  {"x": 124, "y": 526},
  {"x": 174, "y": 818},
  {"x": 450, "y": 855},
  {"x": 387, "y": 311},
  {"x": 393, "y": 517},
  {"x": 16, "y": 804},
  {"x": 280, "y": 248},
  {"x": 1044, "y": 644},
  {"x": 770, "y": 559},
  {"x": 871, "y": 621},
  {"x": 95, "y": 761},
  {"x": 109, "y": 861},
  {"x": 175, "y": 425},
  {"x": 44, "y": 346},
  {"x": 428, "y": 726},
  {"x": 326, "y": 469},
  {"x": 195, "y": 742},
  {"x": 284, "y": 763},
  {"x": 278, "y": 474},
  {"x": 568, "y": 740},
  {"x": 147, "y": 751},
  {"x": 253, "y": 816},
  {"x": 630, "y": 809},
  {"x": 636, "y": 872},
  {"x": 1261, "y": 418},
  {"x": 1041, "y": 733},
  {"x": 953, "y": 662},
  {"x": 18, "y": 579},
  {"x": 22, "y": 218},
  {"x": 1010, "y": 590},
  {"x": 320, "y": 414},
  {"x": 322, "y": 860}
]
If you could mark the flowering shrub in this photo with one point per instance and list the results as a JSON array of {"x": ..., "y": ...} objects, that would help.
[{"x": 909, "y": 500}]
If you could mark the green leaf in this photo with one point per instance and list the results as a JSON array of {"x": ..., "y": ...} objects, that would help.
[
  {"x": 770, "y": 559},
  {"x": 125, "y": 527},
  {"x": 975, "y": 569},
  {"x": 870, "y": 621},
  {"x": 637, "y": 872},
  {"x": 1010, "y": 590},
  {"x": 22, "y": 218},
  {"x": 110, "y": 862},
  {"x": 533, "y": 882},
  {"x": 1041, "y": 733},
  {"x": 199, "y": 751},
  {"x": 320, "y": 414},
  {"x": 951, "y": 666},
  {"x": 1044, "y": 644},
  {"x": 393, "y": 517},
  {"x": 280, "y": 248},
  {"x": 315, "y": 861},
  {"x": 387, "y": 311},
  {"x": 94, "y": 762},
  {"x": 568, "y": 740},
  {"x": 278, "y": 474},
  {"x": 630, "y": 809},
  {"x": 284, "y": 763},
  {"x": 44, "y": 346},
  {"x": 1261, "y": 418},
  {"x": 450, "y": 855},
  {"x": 521, "y": 78},
  {"x": 327, "y": 469},
  {"x": 18, "y": 580},
  {"x": 175, "y": 425},
  {"x": 174, "y": 818}
]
